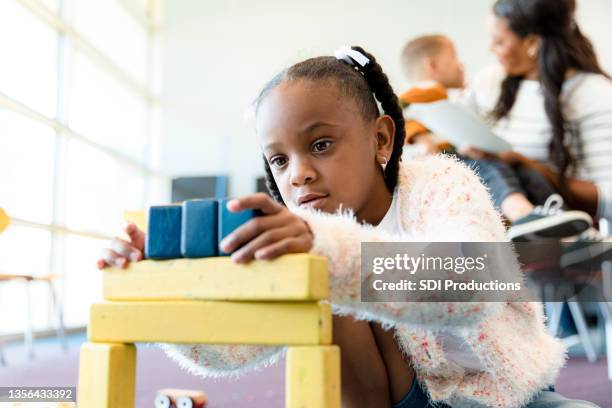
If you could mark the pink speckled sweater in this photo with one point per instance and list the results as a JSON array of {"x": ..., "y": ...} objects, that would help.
[{"x": 439, "y": 199}]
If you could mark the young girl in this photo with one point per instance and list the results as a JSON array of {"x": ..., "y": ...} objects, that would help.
[{"x": 327, "y": 148}]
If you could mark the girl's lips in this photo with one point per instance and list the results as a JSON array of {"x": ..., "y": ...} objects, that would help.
[{"x": 317, "y": 202}]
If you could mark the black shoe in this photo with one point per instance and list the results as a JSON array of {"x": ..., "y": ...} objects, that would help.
[{"x": 549, "y": 221}]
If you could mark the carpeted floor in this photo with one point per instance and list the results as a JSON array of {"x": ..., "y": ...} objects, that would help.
[{"x": 51, "y": 367}]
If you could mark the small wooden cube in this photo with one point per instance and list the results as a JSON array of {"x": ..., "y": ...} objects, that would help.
[
  {"x": 230, "y": 221},
  {"x": 164, "y": 236},
  {"x": 199, "y": 228}
]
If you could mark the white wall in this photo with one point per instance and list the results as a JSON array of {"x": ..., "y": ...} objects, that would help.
[{"x": 217, "y": 55}]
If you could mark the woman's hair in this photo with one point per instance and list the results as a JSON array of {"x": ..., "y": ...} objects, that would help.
[
  {"x": 562, "y": 47},
  {"x": 361, "y": 84}
]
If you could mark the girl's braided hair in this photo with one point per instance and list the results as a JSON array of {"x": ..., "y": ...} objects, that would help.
[{"x": 363, "y": 84}]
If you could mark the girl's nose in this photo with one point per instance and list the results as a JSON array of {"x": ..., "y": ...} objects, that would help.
[{"x": 302, "y": 173}]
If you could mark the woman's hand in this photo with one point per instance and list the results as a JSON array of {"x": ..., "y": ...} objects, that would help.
[
  {"x": 121, "y": 252},
  {"x": 509, "y": 157},
  {"x": 277, "y": 232},
  {"x": 477, "y": 154},
  {"x": 514, "y": 158}
]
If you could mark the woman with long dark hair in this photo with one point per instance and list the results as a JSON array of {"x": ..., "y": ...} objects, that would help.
[{"x": 550, "y": 99}]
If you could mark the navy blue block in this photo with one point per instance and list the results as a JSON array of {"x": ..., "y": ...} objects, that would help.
[
  {"x": 199, "y": 231},
  {"x": 229, "y": 221},
  {"x": 164, "y": 235}
]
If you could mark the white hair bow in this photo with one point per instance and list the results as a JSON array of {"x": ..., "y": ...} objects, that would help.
[{"x": 351, "y": 56}]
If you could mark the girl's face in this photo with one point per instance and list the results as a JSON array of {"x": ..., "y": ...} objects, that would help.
[
  {"x": 321, "y": 151},
  {"x": 512, "y": 51}
]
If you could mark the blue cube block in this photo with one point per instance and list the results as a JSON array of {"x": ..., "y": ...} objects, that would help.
[
  {"x": 229, "y": 221},
  {"x": 199, "y": 231},
  {"x": 164, "y": 235}
]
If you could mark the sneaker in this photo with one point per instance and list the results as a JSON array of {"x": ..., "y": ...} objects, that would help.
[
  {"x": 549, "y": 221},
  {"x": 587, "y": 252}
]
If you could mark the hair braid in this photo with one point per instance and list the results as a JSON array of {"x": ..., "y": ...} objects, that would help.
[{"x": 381, "y": 88}]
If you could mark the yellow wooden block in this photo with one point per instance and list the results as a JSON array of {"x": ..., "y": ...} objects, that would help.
[
  {"x": 289, "y": 277},
  {"x": 208, "y": 322},
  {"x": 137, "y": 217},
  {"x": 313, "y": 377},
  {"x": 4, "y": 220},
  {"x": 107, "y": 376}
]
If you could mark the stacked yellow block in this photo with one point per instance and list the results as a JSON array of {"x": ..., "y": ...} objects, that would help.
[{"x": 213, "y": 301}]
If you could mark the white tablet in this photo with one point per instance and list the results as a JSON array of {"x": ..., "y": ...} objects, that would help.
[{"x": 457, "y": 125}]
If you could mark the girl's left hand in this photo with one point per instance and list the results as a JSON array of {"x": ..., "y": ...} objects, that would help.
[{"x": 277, "y": 232}]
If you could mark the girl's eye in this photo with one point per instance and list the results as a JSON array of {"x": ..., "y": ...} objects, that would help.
[
  {"x": 321, "y": 146},
  {"x": 278, "y": 161}
]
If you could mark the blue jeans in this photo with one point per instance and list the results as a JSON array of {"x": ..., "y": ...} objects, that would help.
[
  {"x": 502, "y": 180},
  {"x": 417, "y": 398}
]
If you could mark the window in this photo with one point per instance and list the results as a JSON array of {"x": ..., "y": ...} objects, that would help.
[
  {"x": 78, "y": 123},
  {"x": 28, "y": 71},
  {"x": 98, "y": 189},
  {"x": 26, "y": 167},
  {"x": 83, "y": 284},
  {"x": 126, "y": 44},
  {"x": 104, "y": 110},
  {"x": 17, "y": 248}
]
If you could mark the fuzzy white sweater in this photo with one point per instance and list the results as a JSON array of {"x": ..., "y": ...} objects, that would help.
[{"x": 439, "y": 199}]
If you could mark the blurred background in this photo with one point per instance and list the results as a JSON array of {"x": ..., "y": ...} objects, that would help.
[{"x": 109, "y": 105}]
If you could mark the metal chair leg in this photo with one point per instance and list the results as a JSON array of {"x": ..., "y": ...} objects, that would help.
[
  {"x": 2, "y": 359},
  {"x": 29, "y": 332},
  {"x": 57, "y": 308},
  {"x": 606, "y": 311},
  {"x": 583, "y": 330},
  {"x": 554, "y": 318}
]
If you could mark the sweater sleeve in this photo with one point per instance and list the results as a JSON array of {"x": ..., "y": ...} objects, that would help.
[
  {"x": 590, "y": 109},
  {"x": 206, "y": 360},
  {"x": 444, "y": 201}
]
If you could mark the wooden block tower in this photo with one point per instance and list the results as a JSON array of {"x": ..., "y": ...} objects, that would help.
[{"x": 213, "y": 301}]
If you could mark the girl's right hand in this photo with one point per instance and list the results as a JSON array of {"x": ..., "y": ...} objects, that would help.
[{"x": 121, "y": 252}]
